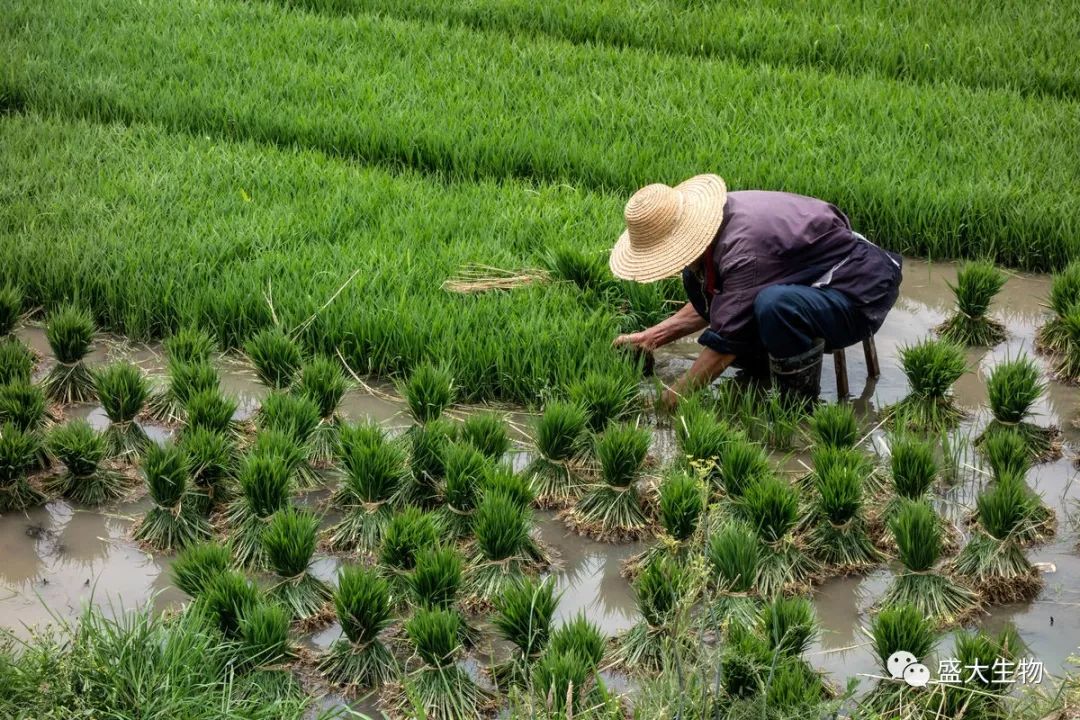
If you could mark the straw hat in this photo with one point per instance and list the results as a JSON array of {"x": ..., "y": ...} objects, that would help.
[{"x": 667, "y": 228}]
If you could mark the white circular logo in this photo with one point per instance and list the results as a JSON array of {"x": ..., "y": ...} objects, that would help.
[
  {"x": 898, "y": 661},
  {"x": 917, "y": 675}
]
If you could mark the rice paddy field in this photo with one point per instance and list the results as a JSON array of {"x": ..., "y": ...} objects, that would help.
[{"x": 309, "y": 407}]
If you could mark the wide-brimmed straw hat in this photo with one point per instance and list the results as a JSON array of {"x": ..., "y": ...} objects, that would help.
[{"x": 667, "y": 228}]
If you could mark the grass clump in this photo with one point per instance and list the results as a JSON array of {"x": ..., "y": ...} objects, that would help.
[
  {"x": 428, "y": 392},
  {"x": 86, "y": 477},
  {"x": 466, "y": 472},
  {"x": 186, "y": 379},
  {"x": 771, "y": 507},
  {"x": 10, "y": 308},
  {"x": 288, "y": 541},
  {"x": 834, "y": 425},
  {"x": 265, "y": 489},
  {"x": 504, "y": 546},
  {"x": 487, "y": 433},
  {"x": 373, "y": 471},
  {"x": 1013, "y": 387},
  {"x": 19, "y": 452},
  {"x": 612, "y": 509},
  {"x": 122, "y": 390},
  {"x": 918, "y": 534},
  {"x": 605, "y": 398},
  {"x": 1053, "y": 337},
  {"x": 16, "y": 361},
  {"x": 977, "y": 282},
  {"x": 364, "y": 608},
  {"x": 323, "y": 382},
  {"x": 664, "y": 591},
  {"x": 275, "y": 357},
  {"x": 212, "y": 466},
  {"x": 175, "y": 521},
  {"x": 428, "y": 445},
  {"x": 560, "y": 439},
  {"x": 69, "y": 330},
  {"x": 839, "y": 538},
  {"x": 931, "y": 367},
  {"x": 196, "y": 565}
]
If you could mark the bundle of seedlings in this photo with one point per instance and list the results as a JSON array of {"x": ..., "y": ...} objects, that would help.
[
  {"x": 16, "y": 361},
  {"x": 993, "y": 561},
  {"x": 87, "y": 478},
  {"x": 1067, "y": 365},
  {"x": 196, "y": 565},
  {"x": 560, "y": 442},
  {"x": 487, "y": 433},
  {"x": 408, "y": 533},
  {"x": 977, "y": 282},
  {"x": 1007, "y": 455},
  {"x": 226, "y": 599},
  {"x": 899, "y": 629},
  {"x": 190, "y": 345},
  {"x": 296, "y": 417},
  {"x": 283, "y": 448},
  {"x": 768, "y": 416},
  {"x": 665, "y": 591},
  {"x": 771, "y": 507},
  {"x": 1012, "y": 388},
  {"x": 701, "y": 437},
  {"x": 742, "y": 463},
  {"x": 23, "y": 405},
  {"x": 823, "y": 458},
  {"x": 69, "y": 330},
  {"x": 523, "y": 615},
  {"x": 428, "y": 445},
  {"x": 288, "y": 542},
  {"x": 211, "y": 410},
  {"x": 360, "y": 660},
  {"x": 323, "y": 382},
  {"x": 275, "y": 357},
  {"x": 682, "y": 503},
  {"x": 175, "y": 521},
  {"x": 1052, "y": 337},
  {"x": 612, "y": 509},
  {"x": 10, "y": 308},
  {"x": 834, "y": 425},
  {"x": 917, "y": 532},
  {"x": 605, "y": 398},
  {"x": 579, "y": 635},
  {"x": 373, "y": 473},
  {"x": 263, "y": 643},
  {"x": 435, "y": 583},
  {"x": 839, "y": 538},
  {"x": 212, "y": 464},
  {"x": 185, "y": 380},
  {"x": 265, "y": 489},
  {"x": 438, "y": 687},
  {"x": 913, "y": 470},
  {"x": 504, "y": 548},
  {"x": 733, "y": 554},
  {"x": 982, "y": 691},
  {"x": 428, "y": 391},
  {"x": 466, "y": 472},
  {"x": 122, "y": 390},
  {"x": 931, "y": 368},
  {"x": 565, "y": 679},
  {"x": 501, "y": 479},
  {"x": 19, "y": 452}
]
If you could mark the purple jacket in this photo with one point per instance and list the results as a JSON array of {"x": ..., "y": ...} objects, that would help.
[{"x": 776, "y": 238}]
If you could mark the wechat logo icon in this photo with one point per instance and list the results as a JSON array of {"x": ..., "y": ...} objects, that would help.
[{"x": 904, "y": 666}]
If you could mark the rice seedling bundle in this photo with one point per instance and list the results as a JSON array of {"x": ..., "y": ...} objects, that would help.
[
  {"x": 579, "y": 635},
  {"x": 364, "y": 608},
  {"x": 196, "y": 565},
  {"x": 983, "y": 694},
  {"x": 428, "y": 392},
  {"x": 501, "y": 478},
  {"x": 741, "y": 464},
  {"x": 918, "y": 534},
  {"x": 288, "y": 541},
  {"x": 900, "y": 628},
  {"x": 523, "y": 615},
  {"x": 10, "y": 308},
  {"x": 374, "y": 471},
  {"x": 296, "y": 417},
  {"x": 826, "y": 458},
  {"x": 701, "y": 437},
  {"x": 912, "y": 466},
  {"x": 212, "y": 464},
  {"x": 186, "y": 379},
  {"x": 213, "y": 411},
  {"x": 23, "y": 405},
  {"x": 190, "y": 345},
  {"x": 466, "y": 472},
  {"x": 931, "y": 367},
  {"x": 504, "y": 546},
  {"x": 323, "y": 382},
  {"x": 428, "y": 444},
  {"x": 69, "y": 330},
  {"x": 265, "y": 489},
  {"x": 487, "y": 432},
  {"x": 680, "y": 510},
  {"x": 436, "y": 582},
  {"x": 175, "y": 521},
  {"x": 122, "y": 390},
  {"x": 605, "y": 398},
  {"x": 664, "y": 591},
  {"x": 227, "y": 598},
  {"x": 771, "y": 506},
  {"x": 834, "y": 425},
  {"x": 16, "y": 361},
  {"x": 560, "y": 437},
  {"x": 264, "y": 637},
  {"x": 1006, "y": 453},
  {"x": 409, "y": 532},
  {"x": 839, "y": 538},
  {"x": 612, "y": 509},
  {"x": 734, "y": 555},
  {"x": 1067, "y": 363},
  {"x": 275, "y": 357},
  {"x": 19, "y": 450},
  {"x": 1013, "y": 387},
  {"x": 794, "y": 686},
  {"x": 439, "y": 687},
  {"x": 1052, "y": 337},
  {"x": 86, "y": 478},
  {"x": 977, "y": 282}
]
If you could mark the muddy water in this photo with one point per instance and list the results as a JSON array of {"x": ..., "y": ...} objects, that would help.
[{"x": 57, "y": 558}]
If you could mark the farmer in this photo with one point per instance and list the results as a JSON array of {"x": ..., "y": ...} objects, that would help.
[{"x": 773, "y": 279}]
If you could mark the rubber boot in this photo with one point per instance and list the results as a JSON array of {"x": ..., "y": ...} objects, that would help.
[{"x": 798, "y": 378}]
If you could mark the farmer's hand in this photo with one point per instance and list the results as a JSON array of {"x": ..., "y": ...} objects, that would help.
[
  {"x": 669, "y": 400},
  {"x": 643, "y": 340}
]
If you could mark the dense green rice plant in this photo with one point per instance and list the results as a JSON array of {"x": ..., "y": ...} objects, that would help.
[
  {"x": 701, "y": 437},
  {"x": 1013, "y": 387},
  {"x": 364, "y": 609},
  {"x": 560, "y": 438},
  {"x": 681, "y": 506},
  {"x": 613, "y": 509},
  {"x": 834, "y": 425},
  {"x": 741, "y": 464},
  {"x": 86, "y": 478},
  {"x": 788, "y": 625},
  {"x": 428, "y": 392},
  {"x": 19, "y": 452},
  {"x": 23, "y": 405},
  {"x": 288, "y": 541},
  {"x": 1039, "y": 520},
  {"x": 323, "y": 382},
  {"x": 931, "y": 367},
  {"x": 196, "y": 565},
  {"x": 466, "y": 473},
  {"x": 979, "y": 694},
  {"x": 190, "y": 345},
  {"x": 185, "y": 380},
  {"x": 767, "y": 417},
  {"x": 734, "y": 556},
  {"x": 663, "y": 589},
  {"x": 1006, "y": 453},
  {"x": 902, "y": 628},
  {"x": 408, "y": 533},
  {"x": 282, "y": 448},
  {"x": 912, "y": 466},
  {"x": 1052, "y": 337},
  {"x": 501, "y": 478},
  {"x": 523, "y": 615},
  {"x": 977, "y": 282},
  {"x": 580, "y": 636},
  {"x": 175, "y": 521},
  {"x": 918, "y": 534},
  {"x": 487, "y": 433},
  {"x": 839, "y": 538},
  {"x": 1067, "y": 363},
  {"x": 427, "y": 460},
  {"x": 794, "y": 686},
  {"x": 227, "y": 598},
  {"x": 825, "y": 458},
  {"x": 69, "y": 330},
  {"x": 16, "y": 361},
  {"x": 605, "y": 398},
  {"x": 436, "y": 577},
  {"x": 265, "y": 489},
  {"x": 297, "y": 417},
  {"x": 771, "y": 506},
  {"x": 373, "y": 472},
  {"x": 502, "y": 528},
  {"x": 213, "y": 411},
  {"x": 264, "y": 636},
  {"x": 212, "y": 465},
  {"x": 439, "y": 687},
  {"x": 122, "y": 390},
  {"x": 275, "y": 357},
  {"x": 565, "y": 684},
  {"x": 10, "y": 308}
]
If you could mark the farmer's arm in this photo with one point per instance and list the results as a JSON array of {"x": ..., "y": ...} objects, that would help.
[
  {"x": 683, "y": 323},
  {"x": 705, "y": 369}
]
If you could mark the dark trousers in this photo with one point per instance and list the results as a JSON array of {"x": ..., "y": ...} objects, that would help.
[{"x": 791, "y": 317}]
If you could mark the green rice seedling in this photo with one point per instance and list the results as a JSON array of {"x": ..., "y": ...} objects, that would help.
[
  {"x": 565, "y": 684},
  {"x": 212, "y": 465},
  {"x": 560, "y": 440},
  {"x": 283, "y": 448},
  {"x": 663, "y": 589},
  {"x": 1039, "y": 520},
  {"x": 788, "y": 625},
  {"x": 487, "y": 433},
  {"x": 1006, "y": 453},
  {"x": 993, "y": 561},
  {"x": 1013, "y": 387},
  {"x": 1052, "y": 337},
  {"x": 839, "y": 538},
  {"x": 427, "y": 460},
  {"x": 298, "y": 418},
  {"x": 523, "y": 615},
  {"x": 374, "y": 471},
  {"x": 466, "y": 473},
  {"x": 23, "y": 405},
  {"x": 701, "y": 437},
  {"x": 408, "y": 533},
  {"x": 364, "y": 608},
  {"x": 742, "y": 464},
  {"x": 977, "y": 282},
  {"x": 213, "y": 411},
  {"x": 613, "y": 509},
  {"x": 824, "y": 458},
  {"x": 288, "y": 541},
  {"x": 275, "y": 357},
  {"x": 912, "y": 466},
  {"x": 196, "y": 565},
  {"x": 263, "y": 640},
  {"x": 185, "y": 380},
  {"x": 122, "y": 390},
  {"x": 1067, "y": 363},
  {"x": 771, "y": 506},
  {"x": 86, "y": 478},
  {"x": 227, "y": 598},
  {"x": 10, "y": 308},
  {"x": 190, "y": 345},
  {"x": 918, "y": 534},
  {"x": 174, "y": 522},
  {"x": 69, "y": 330},
  {"x": 834, "y": 425},
  {"x": 503, "y": 546},
  {"x": 579, "y": 636},
  {"x": 734, "y": 555},
  {"x": 605, "y": 398},
  {"x": 265, "y": 489},
  {"x": 931, "y": 367},
  {"x": 439, "y": 688},
  {"x": 428, "y": 392},
  {"x": 19, "y": 452},
  {"x": 323, "y": 382},
  {"x": 436, "y": 582},
  {"x": 794, "y": 686},
  {"x": 899, "y": 628},
  {"x": 501, "y": 478},
  {"x": 681, "y": 506},
  {"x": 16, "y": 361},
  {"x": 982, "y": 693}
]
